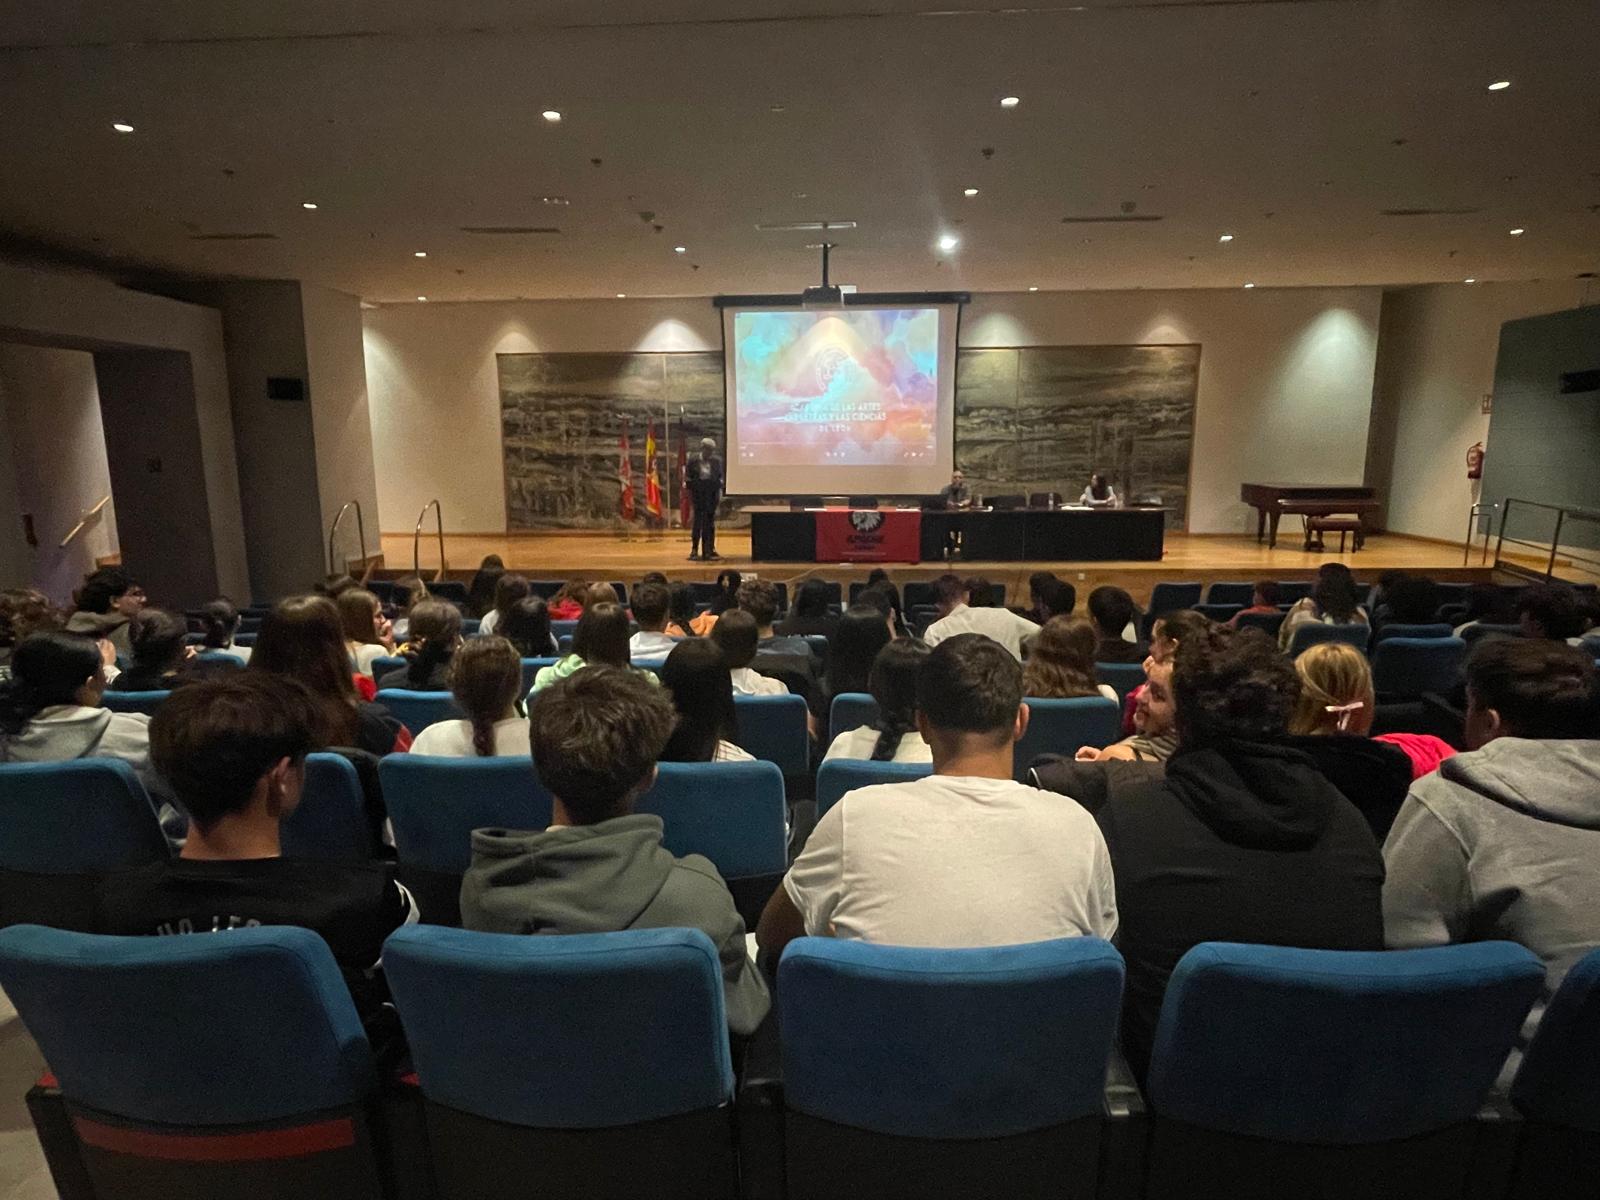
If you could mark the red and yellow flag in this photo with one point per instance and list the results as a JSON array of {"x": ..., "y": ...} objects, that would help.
[{"x": 652, "y": 484}]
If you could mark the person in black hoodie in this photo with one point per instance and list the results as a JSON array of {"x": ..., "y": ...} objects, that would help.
[{"x": 1244, "y": 840}]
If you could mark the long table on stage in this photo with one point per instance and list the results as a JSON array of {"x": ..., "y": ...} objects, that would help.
[{"x": 782, "y": 534}]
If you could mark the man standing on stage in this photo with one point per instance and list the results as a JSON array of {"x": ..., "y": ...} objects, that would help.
[{"x": 704, "y": 481}]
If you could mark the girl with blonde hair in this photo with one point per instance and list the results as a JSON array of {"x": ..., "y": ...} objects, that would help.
[{"x": 1336, "y": 693}]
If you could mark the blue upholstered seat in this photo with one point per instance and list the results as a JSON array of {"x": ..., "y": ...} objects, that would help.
[
  {"x": 838, "y": 776},
  {"x": 1122, "y": 678},
  {"x": 733, "y": 813},
  {"x": 436, "y": 803},
  {"x": 134, "y": 702},
  {"x": 1062, "y": 726},
  {"x": 1314, "y": 633},
  {"x": 331, "y": 820},
  {"x": 773, "y": 728},
  {"x": 850, "y": 710},
  {"x": 417, "y": 710},
  {"x": 82, "y": 815},
  {"x": 1405, "y": 668}
]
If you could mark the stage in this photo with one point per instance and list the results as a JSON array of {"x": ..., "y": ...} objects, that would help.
[{"x": 1200, "y": 557}]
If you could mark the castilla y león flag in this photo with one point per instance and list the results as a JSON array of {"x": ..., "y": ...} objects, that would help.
[{"x": 652, "y": 484}]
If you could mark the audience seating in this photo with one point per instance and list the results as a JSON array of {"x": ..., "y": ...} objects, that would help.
[
  {"x": 586, "y": 1065},
  {"x": 417, "y": 710},
  {"x": 1292, "y": 590},
  {"x": 917, "y": 1072},
  {"x": 246, "y": 639},
  {"x": 134, "y": 702},
  {"x": 1281, "y": 1072},
  {"x": 1122, "y": 678},
  {"x": 531, "y": 667},
  {"x": 1392, "y": 629},
  {"x": 1483, "y": 629},
  {"x": 331, "y": 820},
  {"x": 211, "y": 1065},
  {"x": 1220, "y": 613},
  {"x": 819, "y": 647},
  {"x": 564, "y": 644},
  {"x": 219, "y": 658},
  {"x": 850, "y": 710},
  {"x": 1405, "y": 668},
  {"x": 1168, "y": 597},
  {"x": 1062, "y": 726},
  {"x": 1231, "y": 593},
  {"x": 1557, "y": 1093},
  {"x": 469, "y": 626},
  {"x": 385, "y": 663},
  {"x": 561, "y": 629},
  {"x": 449, "y": 589},
  {"x": 546, "y": 588},
  {"x": 1268, "y": 623},
  {"x": 773, "y": 728},
  {"x": 1312, "y": 633},
  {"x": 838, "y": 776}
]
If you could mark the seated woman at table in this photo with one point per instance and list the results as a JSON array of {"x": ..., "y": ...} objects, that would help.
[{"x": 1099, "y": 493}]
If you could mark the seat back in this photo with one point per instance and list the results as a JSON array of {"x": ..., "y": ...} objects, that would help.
[
  {"x": 563, "y": 629},
  {"x": 1434, "y": 630},
  {"x": 773, "y": 729},
  {"x": 1122, "y": 678},
  {"x": 1337, "y": 1047},
  {"x": 436, "y": 803},
  {"x": 79, "y": 816},
  {"x": 1268, "y": 623},
  {"x": 732, "y": 813},
  {"x": 958, "y": 1044},
  {"x": 564, "y": 644},
  {"x": 1229, "y": 592},
  {"x": 1314, "y": 633},
  {"x": 134, "y": 702},
  {"x": 1408, "y": 667},
  {"x": 531, "y": 667},
  {"x": 850, "y": 710},
  {"x": 452, "y": 590},
  {"x": 838, "y": 776},
  {"x": 385, "y": 663},
  {"x": 1061, "y": 726},
  {"x": 1291, "y": 590},
  {"x": 220, "y": 658},
  {"x": 586, "y": 1031},
  {"x": 1559, "y": 1081},
  {"x": 331, "y": 820},
  {"x": 1482, "y": 629},
  {"x": 417, "y": 710},
  {"x": 1220, "y": 613},
  {"x": 1165, "y": 597}
]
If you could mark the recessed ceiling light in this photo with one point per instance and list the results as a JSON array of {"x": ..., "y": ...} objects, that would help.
[
  {"x": 308, "y": 205},
  {"x": 1010, "y": 101},
  {"x": 1518, "y": 232},
  {"x": 551, "y": 115},
  {"x": 622, "y": 295},
  {"x": 680, "y": 249},
  {"x": 948, "y": 242},
  {"x": 969, "y": 191},
  {"x": 560, "y": 201},
  {"x": 801, "y": 195},
  {"x": 419, "y": 254},
  {"x": 423, "y": 299},
  {"x": 1249, "y": 285},
  {"x": 778, "y": 108},
  {"x": 1033, "y": 289},
  {"x": 1469, "y": 281},
  {"x": 1227, "y": 237},
  {"x": 122, "y": 127},
  {"x": 1499, "y": 85}
]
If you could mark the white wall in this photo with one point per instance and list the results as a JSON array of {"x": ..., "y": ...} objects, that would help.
[
  {"x": 1436, "y": 363},
  {"x": 340, "y": 420},
  {"x": 58, "y": 448},
  {"x": 1285, "y": 380}
]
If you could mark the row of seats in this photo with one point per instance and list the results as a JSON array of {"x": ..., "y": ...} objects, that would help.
[{"x": 600, "y": 1066}]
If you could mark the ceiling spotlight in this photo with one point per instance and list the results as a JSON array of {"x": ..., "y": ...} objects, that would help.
[
  {"x": 419, "y": 254},
  {"x": 1499, "y": 85},
  {"x": 680, "y": 249},
  {"x": 122, "y": 127},
  {"x": 1249, "y": 285},
  {"x": 422, "y": 299},
  {"x": 309, "y": 205},
  {"x": 1469, "y": 281},
  {"x": 1518, "y": 231},
  {"x": 969, "y": 191},
  {"x": 1010, "y": 101},
  {"x": 1033, "y": 289},
  {"x": 551, "y": 115},
  {"x": 948, "y": 242},
  {"x": 622, "y": 295},
  {"x": 1227, "y": 237}
]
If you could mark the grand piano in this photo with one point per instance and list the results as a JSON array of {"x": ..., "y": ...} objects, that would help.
[{"x": 1272, "y": 500}]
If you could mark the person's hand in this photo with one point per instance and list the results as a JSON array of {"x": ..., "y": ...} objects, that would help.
[
  {"x": 386, "y": 632},
  {"x": 1121, "y": 752},
  {"x": 1086, "y": 754},
  {"x": 108, "y": 652},
  {"x": 191, "y": 651}
]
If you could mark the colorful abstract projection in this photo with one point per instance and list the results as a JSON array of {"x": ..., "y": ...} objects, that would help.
[{"x": 851, "y": 387}]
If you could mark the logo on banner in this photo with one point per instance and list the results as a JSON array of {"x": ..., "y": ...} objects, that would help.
[{"x": 866, "y": 521}]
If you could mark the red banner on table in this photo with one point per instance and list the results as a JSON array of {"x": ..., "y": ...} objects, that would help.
[{"x": 869, "y": 535}]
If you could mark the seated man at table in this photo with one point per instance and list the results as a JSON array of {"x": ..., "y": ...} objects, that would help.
[
  {"x": 955, "y": 494},
  {"x": 953, "y": 597}
]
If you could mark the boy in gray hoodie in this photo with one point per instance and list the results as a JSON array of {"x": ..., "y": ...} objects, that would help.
[
  {"x": 1504, "y": 841},
  {"x": 600, "y": 866}
]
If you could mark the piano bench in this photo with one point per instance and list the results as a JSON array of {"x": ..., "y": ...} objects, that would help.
[{"x": 1317, "y": 526}]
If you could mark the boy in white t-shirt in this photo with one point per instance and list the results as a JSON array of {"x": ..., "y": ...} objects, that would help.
[{"x": 964, "y": 857}]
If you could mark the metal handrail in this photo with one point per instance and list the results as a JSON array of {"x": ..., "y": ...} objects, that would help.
[
  {"x": 416, "y": 539},
  {"x": 87, "y": 517},
  {"x": 1474, "y": 515},
  {"x": 361, "y": 533},
  {"x": 1562, "y": 513}
]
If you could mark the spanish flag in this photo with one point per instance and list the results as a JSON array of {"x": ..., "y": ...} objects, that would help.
[{"x": 652, "y": 485}]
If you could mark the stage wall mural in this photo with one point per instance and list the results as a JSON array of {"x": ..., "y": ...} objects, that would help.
[{"x": 1037, "y": 418}]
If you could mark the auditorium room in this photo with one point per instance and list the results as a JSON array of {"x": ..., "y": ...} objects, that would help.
[{"x": 800, "y": 600}]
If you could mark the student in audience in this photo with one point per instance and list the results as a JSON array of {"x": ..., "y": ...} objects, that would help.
[
  {"x": 1336, "y": 697},
  {"x": 1054, "y": 598},
  {"x": 1333, "y": 601},
  {"x": 878, "y": 581},
  {"x": 727, "y": 598},
  {"x": 1504, "y": 841},
  {"x": 50, "y": 709},
  {"x": 234, "y": 749},
  {"x": 893, "y": 736},
  {"x": 486, "y": 680},
  {"x": 854, "y": 647},
  {"x": 957, "y": 616},
  {"x": 760, "y": 599},
  {"x": 508, "y": 590},
  {"x": 526, "y": 626},
  {"x": 1112, "y": 611},
  {"x": 409, "y": 591},
  {"x": 809, "y": 612},
  {"x": 219, "y": 625},
  {"x": 680, "y": 611},
  {"x": 1263, "y": 600},
  {"x": 434, "y": 638},
  {"x": 368, "y": 636},
  {"x": 1154, "y": 737},
  {"x": 334, "y": 586},
  {"x": 885, "y": 598},
  {"x": 1409, "y": 600},
  {"x": 735, "y": 635},
  {"x": 1243, "y": 840},
  {"x": 481, "y": 592},
  {"x": 650, "y": 603},
  {"x": 106, "y": 603},
  {"x": 1550, "y": 611},
  {"x": 567, "y": 604},
  {"x": 600, "y": 640},
  {"x": 1486, "y": 604},
  {"x": 964, "y": 857},
  {"x": 161, "y": 659},
  {"x": 23, "y": 611},
  {"x": 1060, "y": 662},
  {"x": 302, "y": 638},
  {"x": 696, "y": 675},
  {"x": 600, "y": 866},
  {"x": 599, "y": 593}
]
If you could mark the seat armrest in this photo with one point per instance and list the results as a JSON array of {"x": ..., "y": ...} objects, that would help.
[
  {"x": 1125, "y": 1141},
  {"x": 759, "y": 1114},
  {"x": 1496, "y": 1141}
]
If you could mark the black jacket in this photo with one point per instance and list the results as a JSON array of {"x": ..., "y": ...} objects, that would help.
[
  {"x": 703, "y": 476},
  {"x": 1241, "y": 842}
]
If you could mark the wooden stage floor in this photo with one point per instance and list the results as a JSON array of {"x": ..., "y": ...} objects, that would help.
[{"x": 1188, "y": 556}]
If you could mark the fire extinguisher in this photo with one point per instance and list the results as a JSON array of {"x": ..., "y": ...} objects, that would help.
[{"x": 1475, "y": 461}]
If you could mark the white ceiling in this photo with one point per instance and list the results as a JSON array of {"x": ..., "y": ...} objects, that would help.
[{"x": 1289, "y": 123}]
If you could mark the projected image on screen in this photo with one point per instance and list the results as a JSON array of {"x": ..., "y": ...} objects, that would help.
[{"x": 836, "y": 388}]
